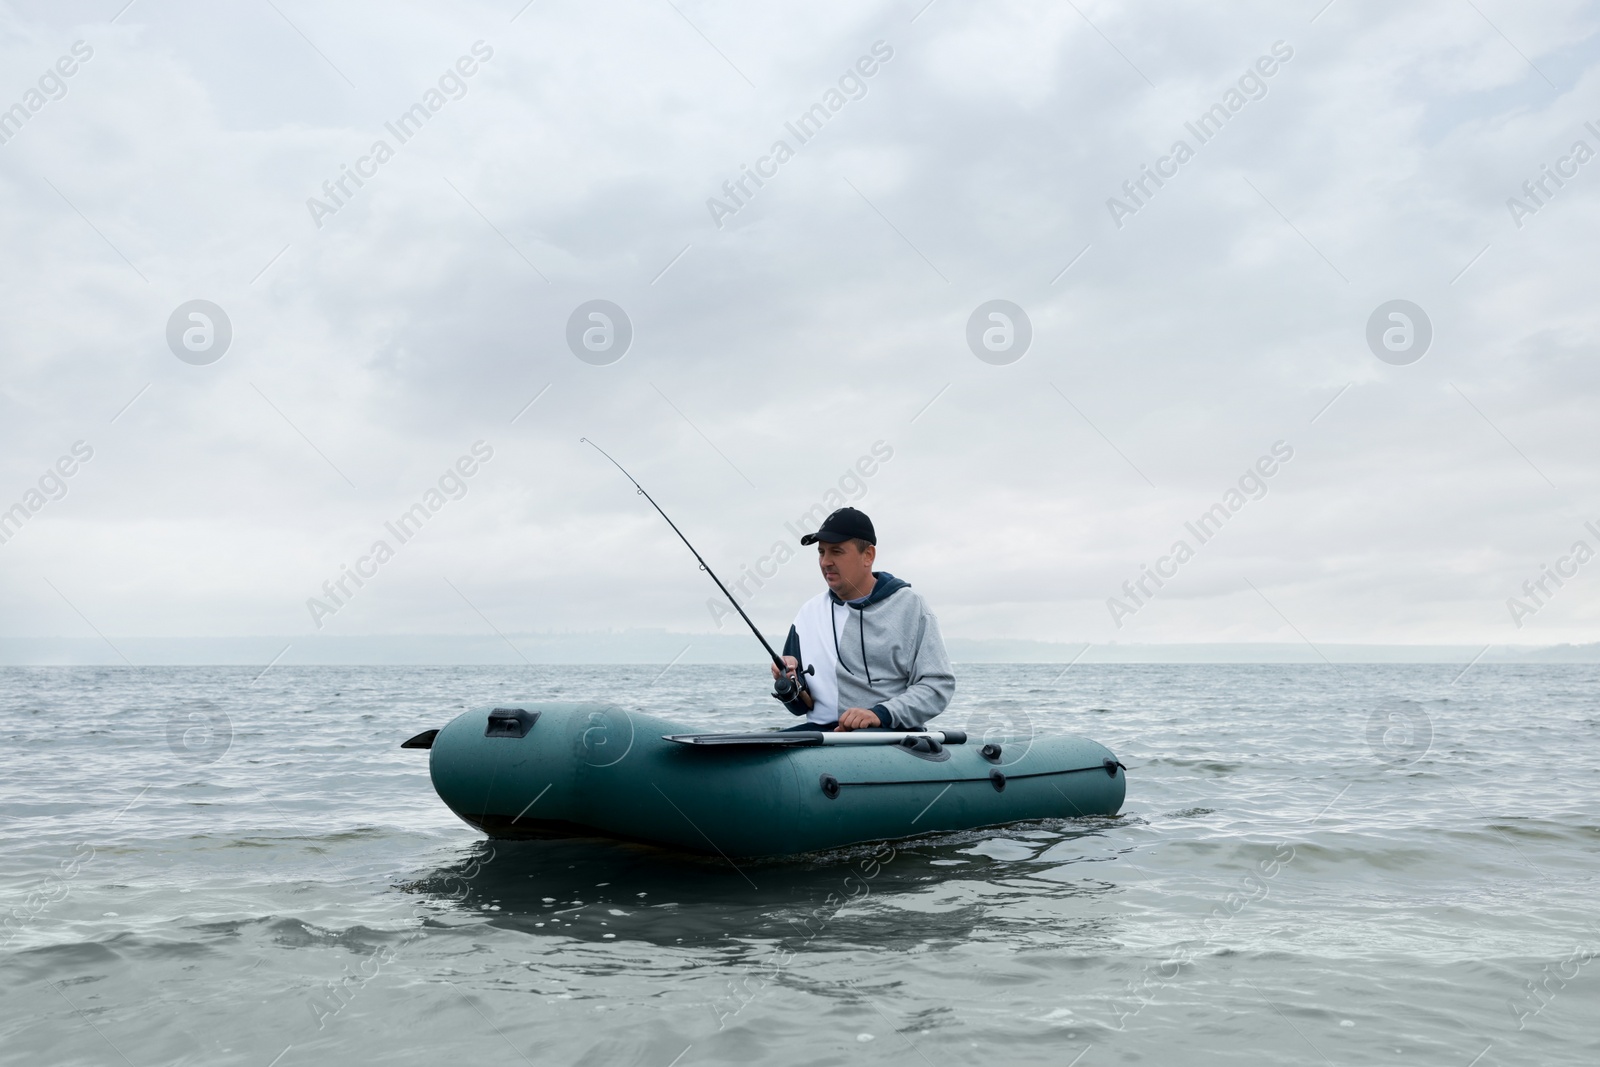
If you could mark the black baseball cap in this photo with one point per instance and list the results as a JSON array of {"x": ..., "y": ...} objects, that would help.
[{"x": 846, "y": 524}]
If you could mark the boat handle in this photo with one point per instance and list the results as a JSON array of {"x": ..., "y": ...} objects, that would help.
[{"x": 510, "y": 722}]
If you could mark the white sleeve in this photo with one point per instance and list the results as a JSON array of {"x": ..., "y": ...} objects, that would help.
[{"x": 814, "y": 625}]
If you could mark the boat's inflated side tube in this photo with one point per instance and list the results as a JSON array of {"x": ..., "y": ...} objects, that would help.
[{"x": 593, "y": 770}]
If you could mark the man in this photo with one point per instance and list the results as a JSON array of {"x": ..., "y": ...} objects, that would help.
[{"x": 873, "y": 646}]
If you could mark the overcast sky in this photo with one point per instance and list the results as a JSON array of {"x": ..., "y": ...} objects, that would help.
[{"x": 1177, "y": 335}]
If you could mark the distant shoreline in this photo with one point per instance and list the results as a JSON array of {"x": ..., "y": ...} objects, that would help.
[{"x": 660, "y": 647}]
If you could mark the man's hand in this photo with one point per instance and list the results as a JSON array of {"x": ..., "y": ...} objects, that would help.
[
  {"x": 857, "y": 719},
  {"x": 790, "y": 667}
]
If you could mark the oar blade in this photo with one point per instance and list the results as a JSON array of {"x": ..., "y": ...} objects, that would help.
[{"x": 771, "y": 739}]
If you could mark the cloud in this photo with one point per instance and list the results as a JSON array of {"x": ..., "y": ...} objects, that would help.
[{"x": 1227, "y": 314}]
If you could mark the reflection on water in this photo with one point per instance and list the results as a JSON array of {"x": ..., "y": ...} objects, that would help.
[{"x": 876, "y": 894}]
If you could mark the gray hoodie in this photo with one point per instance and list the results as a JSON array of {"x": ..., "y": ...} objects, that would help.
[{"x": 885, "y": 653}]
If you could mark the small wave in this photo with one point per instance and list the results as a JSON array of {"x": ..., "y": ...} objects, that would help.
[
  {"x": 1212, "y": 765},
  {"x": 297, "y": 933},
  {"x": 73, "y": 955}
]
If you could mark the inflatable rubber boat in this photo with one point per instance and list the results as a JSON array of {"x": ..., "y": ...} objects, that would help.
[{"x": 541, "y": 770}]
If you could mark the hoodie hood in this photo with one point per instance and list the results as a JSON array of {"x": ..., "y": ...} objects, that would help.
[{"x": 887, "y": 585}]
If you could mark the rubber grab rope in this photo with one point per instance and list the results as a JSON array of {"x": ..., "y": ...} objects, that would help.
[{"x": 1106, "y": 767}]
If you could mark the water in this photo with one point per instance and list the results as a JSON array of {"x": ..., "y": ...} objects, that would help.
[{"x": 1352, "y": 864}]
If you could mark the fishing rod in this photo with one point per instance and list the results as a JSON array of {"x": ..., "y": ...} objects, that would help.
[{"x": 786, "y": 688}]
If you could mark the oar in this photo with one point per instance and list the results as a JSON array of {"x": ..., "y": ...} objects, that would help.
[{"x": 808, "y": 738}]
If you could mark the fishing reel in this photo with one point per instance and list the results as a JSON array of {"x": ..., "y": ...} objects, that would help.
[{"x": 790, "y": 691}]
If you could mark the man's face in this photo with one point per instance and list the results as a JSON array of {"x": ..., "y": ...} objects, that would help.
[{"x": 846, "y": 568}]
